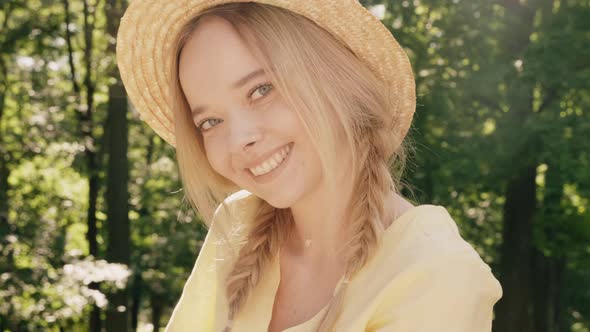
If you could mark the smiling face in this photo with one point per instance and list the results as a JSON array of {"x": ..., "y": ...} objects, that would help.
[{"x": 250, "y": 135}]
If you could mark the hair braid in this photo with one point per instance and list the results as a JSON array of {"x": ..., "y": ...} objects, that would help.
[
  {"x": 367, "y": 216},
  {"x": 263, "y": 242}
]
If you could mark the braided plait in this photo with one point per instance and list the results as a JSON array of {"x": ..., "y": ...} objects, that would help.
[
  {"x": 367, "y": 217},
  {"x": 270, "y": 228}
]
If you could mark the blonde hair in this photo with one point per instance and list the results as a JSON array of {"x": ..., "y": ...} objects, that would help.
[{"x": 336, "y": 96}]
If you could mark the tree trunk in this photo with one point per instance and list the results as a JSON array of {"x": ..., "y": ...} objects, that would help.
[
  {"x": 513, "y": 311},
  {"x": 136, "y": 300},
  {"x": 5, "y": 156},
  {"x": 157, "y": 306},
  {"x": 117, "y": 195},
  {"x": 4, "y": 174},
  {"x": 92, "y": 233},
  {"x": 85, "y": 121},
  {"x": 549, "y": 269},
  {"x": 548, "y": 272}
]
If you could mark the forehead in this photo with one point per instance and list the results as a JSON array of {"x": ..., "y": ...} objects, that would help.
[{"x": 216, "y": 53}]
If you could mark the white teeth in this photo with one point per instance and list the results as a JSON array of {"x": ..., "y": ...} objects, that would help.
[
  {"x": 277, "y": 159},
  {"x": 271, "y": 163}
]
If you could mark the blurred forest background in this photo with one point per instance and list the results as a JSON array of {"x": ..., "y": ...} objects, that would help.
[{"x": 95, "y": 234}]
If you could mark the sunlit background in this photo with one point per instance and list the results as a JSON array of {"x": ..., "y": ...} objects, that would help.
[{"x": 95, "y": 234}]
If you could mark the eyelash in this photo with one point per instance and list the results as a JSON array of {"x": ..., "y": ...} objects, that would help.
[{"x": 200, "y": 124}]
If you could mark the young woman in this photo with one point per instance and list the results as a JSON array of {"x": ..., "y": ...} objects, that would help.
[{"x": 289, "y": 119}]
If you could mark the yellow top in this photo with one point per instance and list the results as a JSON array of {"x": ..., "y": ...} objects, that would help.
[{"x": 424, "y": 278}]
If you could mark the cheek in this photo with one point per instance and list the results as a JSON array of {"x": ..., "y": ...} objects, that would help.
[
  {"x": 217, "y": 156},
  {"x": 284, "y": 119}
]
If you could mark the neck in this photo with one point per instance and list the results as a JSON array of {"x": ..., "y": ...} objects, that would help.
[
  {"x": 319, "y": 236},
  {"x": 320, "y": 227}
]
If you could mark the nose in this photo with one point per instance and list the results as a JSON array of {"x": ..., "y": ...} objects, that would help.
[{"x": 244, "y": 135}]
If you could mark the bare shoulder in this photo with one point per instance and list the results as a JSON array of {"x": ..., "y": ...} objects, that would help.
[
  {"x": 395, "y": 205},
  {"x": 403, "y": 204},
  {"x": 238, "y": 205}
]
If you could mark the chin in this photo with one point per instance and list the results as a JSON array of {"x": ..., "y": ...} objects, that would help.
[
  {"x": 282, "y": 200},
  {"x": 278, "y": 204}
]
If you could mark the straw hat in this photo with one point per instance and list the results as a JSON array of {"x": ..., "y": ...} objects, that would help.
[{"x": 144, "y": 52}]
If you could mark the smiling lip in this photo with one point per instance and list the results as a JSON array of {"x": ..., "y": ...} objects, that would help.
[
  {"x": 268, "y": 177},
  {"x": 265, "y": 156}
]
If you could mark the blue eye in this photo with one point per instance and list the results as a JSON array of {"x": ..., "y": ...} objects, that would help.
[
  {"x": 262, "y": 90},
  {"x": 207, "y": 124}
]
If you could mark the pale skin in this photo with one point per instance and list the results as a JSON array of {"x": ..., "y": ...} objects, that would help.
[{"x": 242, "y": 124}]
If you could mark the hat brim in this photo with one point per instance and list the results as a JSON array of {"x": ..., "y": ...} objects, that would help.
[{"x": 144, "y": 51}]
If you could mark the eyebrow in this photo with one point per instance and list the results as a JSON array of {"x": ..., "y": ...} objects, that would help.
[{"x": 236, "y": 85}]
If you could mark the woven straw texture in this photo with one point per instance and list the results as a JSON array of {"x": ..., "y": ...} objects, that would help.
[{"x": 144, "y": 52}]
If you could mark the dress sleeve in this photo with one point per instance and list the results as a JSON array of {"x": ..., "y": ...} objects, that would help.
[
  {"x": 195, "y": 309},
  {"x": 203, "y": 305},
  {"x": 453, "y": 294}
]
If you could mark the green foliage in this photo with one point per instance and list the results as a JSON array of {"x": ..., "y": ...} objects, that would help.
[{"x": 501, "y": 84}]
